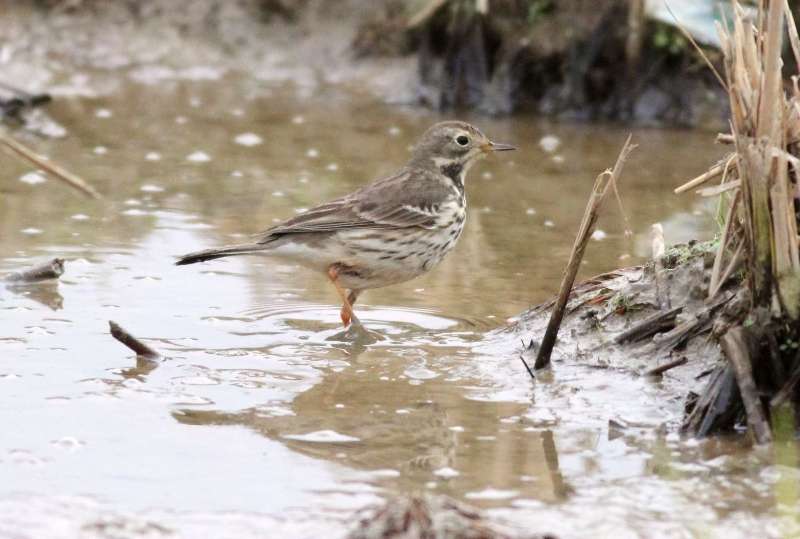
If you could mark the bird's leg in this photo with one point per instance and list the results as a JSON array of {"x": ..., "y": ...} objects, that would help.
[
  {"x": 352, "y": 296},
  {"x": 347, "y": 308}
]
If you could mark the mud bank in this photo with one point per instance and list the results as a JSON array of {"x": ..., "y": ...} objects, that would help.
[{"x": 640, "y": 320}]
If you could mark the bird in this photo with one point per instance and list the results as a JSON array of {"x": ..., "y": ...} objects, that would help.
[{"x": 387, "y": 232}]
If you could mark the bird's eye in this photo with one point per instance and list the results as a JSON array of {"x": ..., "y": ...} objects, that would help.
[{"x": 462, "y": 140}]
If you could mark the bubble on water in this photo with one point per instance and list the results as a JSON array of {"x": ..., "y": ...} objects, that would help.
[
  {"x": 133, "y": 202},
  {"x": 557, "y": 159},
  {"x": 394, "y": 131},
  {"x": 384, "y": 473},
  {"x": 456, "y": 428},
  {"x": 248, "y": 139},
  {"x": 402, "y": 411},
  {"x": 133, "y": 212},
  {"x": 599, "y": 235},
  {"x": 530, "y": 211},
  {"x": 431, "y": 484},
  {"x": 151, "y": 188},
  {"x": 198, "y": 157},
  {"x": 446, "y": 473},
  {"x": 100, "y": 150},
  {"x": 278, "y": 194},
  {"x": 31, "y": 231},
  {"x": 541, "y": 416},
  {"x": 25, "y": 458},
  {"x": 68, "y": 443},
  {"x": 339, "y": 405},
  {"x": 103, "y": 113},
  {"x": 199, "y": 380},
  {"x": 333, "y": 167},
  {"x": 548, "y": 223},
  {"x": 322, "y": 437},
  {"x": 37, "y": 331},
  {"x": 33, "y": 178},
  {"x": 297, "y": 120},
  {"x": 420, "y": 373},
  {"x": 180, "y": 120},
  {"x": 152, "y": 156},
  {"x": 491, "y": 494},
  {"x": 487, "y": 175},
  {"x": 527, "y": 503},
  {"x": 312, "y": 153},
  {"x": 549, "y": 143},
  {"x": 80, "y": 217},
  {"x": 237, "y": 174}
]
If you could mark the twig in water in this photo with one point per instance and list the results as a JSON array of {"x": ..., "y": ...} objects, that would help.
[
  {"x": 661, "y": 369},
  {"x": 130, "y": 341},
  {"x": 526, "y": 348},
  {"x": 52, "y": 269},
  {"x": 601, "y": 185},
  {"x": 522, "y": 358},
  {"x": 49, "y": 167}
]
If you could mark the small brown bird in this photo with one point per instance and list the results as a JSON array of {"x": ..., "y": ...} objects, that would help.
[{"x": 387, "y": 232}]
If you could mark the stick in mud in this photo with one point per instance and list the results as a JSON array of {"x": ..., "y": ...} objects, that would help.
[
  {"x": 130, "y": 341},
  {"x": 735, "y": 345},
  {"x": 43, "y": 272},
  {"x": 661, "y": 369},
  {"x": 656, "y": 323},
  {"x": 49, "y": 167},
  {"x": 602, "y": 184}
]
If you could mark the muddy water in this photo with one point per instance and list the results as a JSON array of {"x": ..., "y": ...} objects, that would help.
[{"x": 264, "y": 419}]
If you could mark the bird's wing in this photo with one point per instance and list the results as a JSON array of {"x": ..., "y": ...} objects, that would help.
[{"x": 407, "y": 199}]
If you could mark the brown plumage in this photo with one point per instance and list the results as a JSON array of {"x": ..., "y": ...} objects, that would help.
[{"x": 389, "y": 231}]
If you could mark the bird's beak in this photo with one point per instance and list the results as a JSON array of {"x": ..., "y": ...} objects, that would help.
[{"x": 497, "y": 147}]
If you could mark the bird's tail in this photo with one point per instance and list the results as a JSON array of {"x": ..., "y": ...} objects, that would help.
[{"x": 211, "y": 254}]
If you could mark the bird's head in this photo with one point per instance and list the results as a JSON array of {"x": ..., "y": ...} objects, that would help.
[{"x": 454, "y": 145}]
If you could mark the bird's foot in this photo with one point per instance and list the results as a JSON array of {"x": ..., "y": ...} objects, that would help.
[{"x": 347, "y": 316}]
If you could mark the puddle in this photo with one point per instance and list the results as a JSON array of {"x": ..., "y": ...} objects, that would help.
[{"x": 264, "y": 418}]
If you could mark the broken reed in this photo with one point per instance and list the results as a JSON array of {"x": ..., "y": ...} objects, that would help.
[
  {"x": 759, "y": 183},
  {"x": 603, "y": 183}
]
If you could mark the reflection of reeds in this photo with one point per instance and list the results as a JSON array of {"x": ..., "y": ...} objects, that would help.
[{"x": 760, "y": 182}]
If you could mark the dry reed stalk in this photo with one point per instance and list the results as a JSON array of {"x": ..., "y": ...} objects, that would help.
[
  {"x": 51, "y": 168},
  {"x": 605, "y": 181},
  {"x": 760, "y": 225}
]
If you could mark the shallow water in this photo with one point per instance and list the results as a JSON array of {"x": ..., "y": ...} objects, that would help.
[{"x": 264, "y": 419}]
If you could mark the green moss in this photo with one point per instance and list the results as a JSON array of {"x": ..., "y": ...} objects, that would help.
[
  {"x": 537, "y": 9},
  {"x": 677, "y": 255},
  {"x": 669, "y": 39}
]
